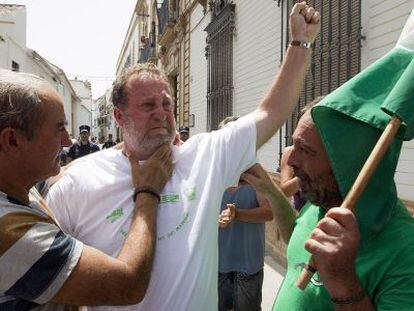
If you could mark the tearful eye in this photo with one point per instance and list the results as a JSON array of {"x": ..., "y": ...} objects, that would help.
[
  {"x": 148, "y": 106},
  {"x": 167, "y": 103}
]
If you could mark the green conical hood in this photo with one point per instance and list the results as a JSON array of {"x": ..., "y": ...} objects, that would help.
[{"x": 350, "y": 121}]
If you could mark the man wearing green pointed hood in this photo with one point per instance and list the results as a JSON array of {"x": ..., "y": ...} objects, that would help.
[{"x": 363, "y": 260}]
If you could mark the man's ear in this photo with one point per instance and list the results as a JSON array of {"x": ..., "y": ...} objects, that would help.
[
  {"x": 10, "y": 139},
  {"x": 119, "y": 116}
]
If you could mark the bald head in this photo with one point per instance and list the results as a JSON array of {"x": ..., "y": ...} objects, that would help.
[{"x": 21, "y": 101}]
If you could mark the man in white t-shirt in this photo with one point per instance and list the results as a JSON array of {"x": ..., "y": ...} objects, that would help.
[{"x": 97, "y": 210}]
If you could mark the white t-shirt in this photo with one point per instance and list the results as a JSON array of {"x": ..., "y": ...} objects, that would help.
[{"x": 93, "y": 202}]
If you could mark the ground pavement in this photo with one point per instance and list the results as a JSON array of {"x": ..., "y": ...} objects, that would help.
[{"x": 273, "y": 276}]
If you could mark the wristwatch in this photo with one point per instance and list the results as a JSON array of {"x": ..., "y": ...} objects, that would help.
[{"x": 302, "y": 44}]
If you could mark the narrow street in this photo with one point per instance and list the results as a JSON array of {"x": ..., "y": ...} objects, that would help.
[{"x": 273, "y": 277}]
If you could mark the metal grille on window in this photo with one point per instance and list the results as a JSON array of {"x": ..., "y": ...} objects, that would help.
[
  {"x": 336, "y": 57},
  {"x": 219, "y": 53}
]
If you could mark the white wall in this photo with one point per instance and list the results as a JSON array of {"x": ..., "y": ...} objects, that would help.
[
  {"x": 11, "y": 51},
  {"x": 256, "y": 61},
  {"x": 383, "y": 21},
  {"x": 83, "y": 112},
  {"x": 16, "y": 29},
  {"x": 382, "y": 24},
  {"x": 198, "y": 69},
  {"x": 59, "y": 83}
]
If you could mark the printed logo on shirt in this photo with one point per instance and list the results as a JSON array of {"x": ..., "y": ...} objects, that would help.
[
  {"x": 176, "y": 229},
  {"x": 190, "y": 193},
  {"x": 116, "y": 214},
  {"x": 170, "y": 198},
  {"x": 123, "y": 232}
]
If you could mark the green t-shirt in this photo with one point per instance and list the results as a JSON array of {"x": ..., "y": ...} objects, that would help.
[{"x": 384, "y": 265}]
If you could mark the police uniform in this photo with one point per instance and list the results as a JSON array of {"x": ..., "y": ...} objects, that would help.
[
  {"x": 108, "y": 144},
  {"x": 78, "y": 149}
]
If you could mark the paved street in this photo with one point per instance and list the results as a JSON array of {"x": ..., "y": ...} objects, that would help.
[{"x": 273, "y": 276}]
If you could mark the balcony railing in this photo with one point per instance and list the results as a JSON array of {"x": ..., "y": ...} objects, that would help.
[
  {"x": 166, "y": 17},
  {"x": 218, "y": 6},
  {"x": 148, "y": 51},
  {"x": 163, "y": 16}
]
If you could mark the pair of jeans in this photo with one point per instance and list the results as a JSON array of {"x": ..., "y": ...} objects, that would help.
[{"x": 240, "y": 291}]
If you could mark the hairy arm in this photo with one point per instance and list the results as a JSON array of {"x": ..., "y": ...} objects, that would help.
[
  {"x": 260, "y": 214},
  {"x": 283, "y": 213}
]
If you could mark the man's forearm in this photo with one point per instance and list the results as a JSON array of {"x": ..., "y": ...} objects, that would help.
[
  {"x": 254, "y": 215},
  {"x": 351, "y": 298},
  {"x": 139, "y": 247},
  {"x": 290, "y": 187},
  {"x": 283, "y": 95},
  {"x": 283, "y": 213}
]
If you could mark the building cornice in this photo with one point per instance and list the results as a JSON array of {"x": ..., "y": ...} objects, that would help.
[{"x": 131, "y": 27}]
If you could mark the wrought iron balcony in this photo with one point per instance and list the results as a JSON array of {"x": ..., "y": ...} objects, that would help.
[
  {"x": 149, "y": 51},
  {"x": 163, "y": 17},
  {"x": 217, "y": 6},
  {"x": 166, "y": 21}
]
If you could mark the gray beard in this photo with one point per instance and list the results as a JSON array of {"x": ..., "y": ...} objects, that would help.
[{"x": 146, "y": 145}]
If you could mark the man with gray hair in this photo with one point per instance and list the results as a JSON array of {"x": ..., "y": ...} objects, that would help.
[
  {"x": 41, "y": 267},
  {"x": 184, "y": 275}
]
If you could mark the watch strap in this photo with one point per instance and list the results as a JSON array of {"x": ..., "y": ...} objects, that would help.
[{"x": 302, "y": 44}]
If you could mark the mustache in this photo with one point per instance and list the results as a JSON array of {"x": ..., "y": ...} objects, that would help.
[
  {"x": 300, "y": 174},
  {"x": 164, "y": 124}
]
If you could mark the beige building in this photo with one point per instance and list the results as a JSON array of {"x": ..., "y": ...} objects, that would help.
[{"x": 175, "y": 25}]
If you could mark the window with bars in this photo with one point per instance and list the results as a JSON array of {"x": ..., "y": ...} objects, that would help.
[
  {"x": 219, "y": 53},
  {"x": 336, "y": 57}
]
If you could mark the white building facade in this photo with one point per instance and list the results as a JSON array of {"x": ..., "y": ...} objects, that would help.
[
  {"x": 82, "y": 112},
  {"x": 258, "y": 41},
  {"x": 105, "y": 122},
  {"x": 198, "y": 69},
  {"x": 222, "y": 57}
]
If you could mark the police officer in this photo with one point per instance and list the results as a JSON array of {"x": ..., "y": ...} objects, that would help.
[
  {"x": 82, "y": 147},
  {"x": 184, "y": 133}
]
